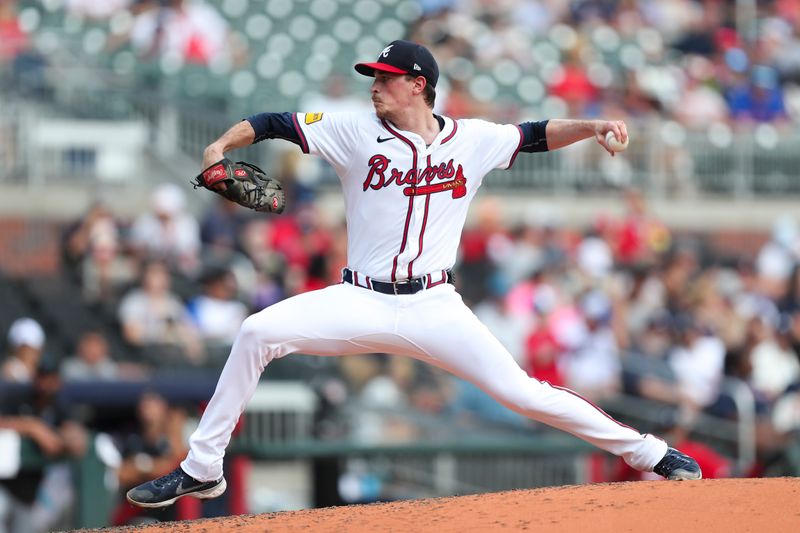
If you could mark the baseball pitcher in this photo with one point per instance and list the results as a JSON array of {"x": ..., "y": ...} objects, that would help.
[{"x": 408, "y": 177}]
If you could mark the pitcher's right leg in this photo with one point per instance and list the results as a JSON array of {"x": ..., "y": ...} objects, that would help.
[
  {"x": 337, "y": 320},
  {"x": 447, "y": 334}
]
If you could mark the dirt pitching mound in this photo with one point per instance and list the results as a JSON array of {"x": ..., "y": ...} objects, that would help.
[{"x": 650, "y": 506}]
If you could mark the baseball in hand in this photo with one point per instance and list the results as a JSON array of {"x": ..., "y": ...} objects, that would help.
[{"x": 614, "y": 144}]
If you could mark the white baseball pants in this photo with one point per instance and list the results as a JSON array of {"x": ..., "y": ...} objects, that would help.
[{"x": 432, "y": 325}]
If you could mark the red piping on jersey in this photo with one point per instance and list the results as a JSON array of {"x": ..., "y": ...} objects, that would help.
[
  {"x": 452, "y": 133},
  {"x": 422, "y": 232},
  {"x": 513, "y": 157},
  {"x": 304, "y": 143},
  {"x": 410, "y": 198}
]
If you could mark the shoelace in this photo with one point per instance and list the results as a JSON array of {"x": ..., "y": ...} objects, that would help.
[{"x": 169, "y": 478}]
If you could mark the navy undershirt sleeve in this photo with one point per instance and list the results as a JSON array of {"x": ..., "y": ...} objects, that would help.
[
  {"x": 534, "y": 136},
  {"x": 274, "y": 126}
]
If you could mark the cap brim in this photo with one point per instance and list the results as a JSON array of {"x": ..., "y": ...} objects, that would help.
[{"x": 368, "y": 69}]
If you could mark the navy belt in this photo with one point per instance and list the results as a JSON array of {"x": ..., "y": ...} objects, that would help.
[{"x": 406, "y": 286}]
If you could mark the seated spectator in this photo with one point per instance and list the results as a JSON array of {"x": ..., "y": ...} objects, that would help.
[
  {"x": 168, "y": 232},
  {"x": 646, "y": 369},
  {"x": 92, "y": 362},
  {"x": 57, "y": 434},
  {"x": 592, "y": 366},
  {"x": 13, "y": 37},
  {"x": 223, "y": 231},
  {"x": 700, "y": 104},
  {"x": 594, "y": 256},
  {"x": 644, "y": 297},
  {"x": 758, "y": 99},
  {"x": 26, "y": 340},
  {"x": 153, "y": 447},
  {"x": 789, "y": 300},
  {"x": 542, "y": 353},
  {"x": 785, "y": 415},
  {"x": 19, "y": 56},
  {"x": 778, "y": 256},
  {"x": 105, "y": 271},
  {"x": 92, "y": 255},
  {"x": 193, "y": 32},
  {"x": 480, "y": 244},
  {"x": 547, "y": 342},
  {"x": 697, "y": 361},
  {"x": 222, "y": 226},
  {"x": 155, "y": 319},
  {"x": 774, "y": 362},
  {"x": 76, "y": 239},
  {"x": 216, "y": 312},
  {"x": 575, "y": 86},
  {"x": 641, "y": 235}
]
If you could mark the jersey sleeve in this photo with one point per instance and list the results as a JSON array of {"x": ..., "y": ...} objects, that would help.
[
  {"x": 332, "y": 136},
  {"x": 498, "y": 144}
]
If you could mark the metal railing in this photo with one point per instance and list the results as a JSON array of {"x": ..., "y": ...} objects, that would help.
[
  {"x": 661, "y": 160},
  {"x": 449, "y": 474},
  {"x": 743, "y": 399},
  {"x": 669, "y": 163},
  {"x": 279, "y": 411},
  {"x": 443, "y": 460},
  {"x": 735, "y": 438}
]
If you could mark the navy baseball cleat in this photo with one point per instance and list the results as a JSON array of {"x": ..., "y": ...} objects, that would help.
[
  {"x": 678, "y": 466},
  {"x": 165, "y": 490}
]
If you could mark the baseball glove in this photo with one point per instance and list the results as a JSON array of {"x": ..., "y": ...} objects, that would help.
[{"x": 243, "y": 183}]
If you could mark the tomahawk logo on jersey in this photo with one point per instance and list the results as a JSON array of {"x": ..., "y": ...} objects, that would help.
[{"x": 390, "y": 174}]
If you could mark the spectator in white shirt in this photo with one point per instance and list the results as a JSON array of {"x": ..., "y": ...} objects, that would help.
[{"x": 168, "y": 232}]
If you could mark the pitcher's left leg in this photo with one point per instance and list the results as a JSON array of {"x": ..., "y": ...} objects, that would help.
[{"x": 448, "y": 335}]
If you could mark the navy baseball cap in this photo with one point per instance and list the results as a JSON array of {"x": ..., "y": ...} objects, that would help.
[{"x": 403, "y": 57}]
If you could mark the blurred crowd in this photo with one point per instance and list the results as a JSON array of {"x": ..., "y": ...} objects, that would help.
[
  {"x": 624, "y": 307},
  {"x": 695, "y": 62},
  {"x": 191, "y": 32}
]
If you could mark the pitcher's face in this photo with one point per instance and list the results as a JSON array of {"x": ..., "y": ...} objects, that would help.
[{"x": 391, "y": 93}]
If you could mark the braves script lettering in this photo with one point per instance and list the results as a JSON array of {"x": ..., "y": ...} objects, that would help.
[{"x": 380, "y": 175}]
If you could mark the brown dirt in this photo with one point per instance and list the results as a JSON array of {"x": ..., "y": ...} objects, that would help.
[{"x": 706, "y": 506}]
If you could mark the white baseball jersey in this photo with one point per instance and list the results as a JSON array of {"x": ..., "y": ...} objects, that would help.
[{"x": 406, "y": 203}]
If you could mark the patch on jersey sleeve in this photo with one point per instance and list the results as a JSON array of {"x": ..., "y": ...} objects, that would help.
[{"x": 313, "y": 117}]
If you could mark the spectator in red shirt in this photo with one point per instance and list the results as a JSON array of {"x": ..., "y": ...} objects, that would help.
[
  {"x": 641, "y": 237},
  {"x": 13, "y": 40},
  {"x": 574, "y": 86},
  {"x": 542, "y": 347},
  {"x": 542, "y": 351}
]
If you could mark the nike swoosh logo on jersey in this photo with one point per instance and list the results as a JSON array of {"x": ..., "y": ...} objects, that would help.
[{"x": 384, "y": 140}]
